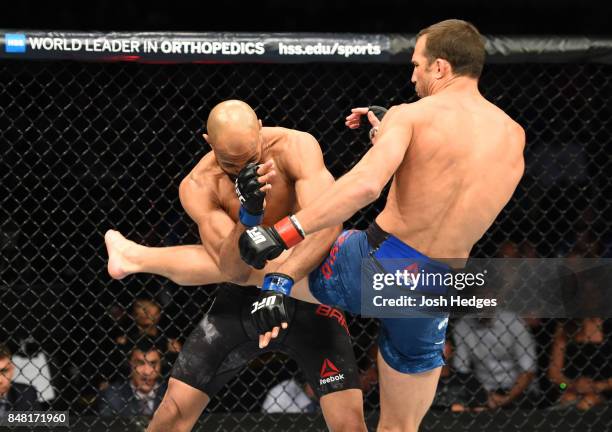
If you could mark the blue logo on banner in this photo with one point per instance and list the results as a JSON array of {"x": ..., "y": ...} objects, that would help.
[{"x": 15, "y": 43}]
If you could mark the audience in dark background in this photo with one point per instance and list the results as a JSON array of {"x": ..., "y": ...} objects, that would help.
[
  {"x": 501, "y": 353},
  {"x": 581, "y": 363},
  {"x": 87, "y": 329},
  {"x": 14, "y": 396},
  {"x": 142, "y": 392},
  {"x": 145, "y": 323}
]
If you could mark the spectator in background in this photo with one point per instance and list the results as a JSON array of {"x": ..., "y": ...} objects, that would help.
[
  {"x": 33, "y": 368},
  {"x": 580, "y": 363},
  {"x": 146, "y": 314},
  {"x": 128, "y": 329},
  {"x": 501, "y": 353},
  {"x": 14, "y": 396},
  {"x": 142, "y": 393},
  {"x": 581, "y": 353}
]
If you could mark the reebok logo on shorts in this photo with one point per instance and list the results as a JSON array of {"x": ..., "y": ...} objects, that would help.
[{"x": 329, "y": 373}]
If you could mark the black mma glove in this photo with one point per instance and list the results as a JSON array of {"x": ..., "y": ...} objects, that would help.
[
  {"x": 260, "y": 244},
  {"x": 251, "y": 197},
  {"x": 379, "y": 112},
  {"x": 271, "y": 310}
]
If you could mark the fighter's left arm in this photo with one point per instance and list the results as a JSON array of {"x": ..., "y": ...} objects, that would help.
[
  {"x": 363, "y": 184},
  {"x": 304, "y": 163},
  {"x": 356, "y": 189}
]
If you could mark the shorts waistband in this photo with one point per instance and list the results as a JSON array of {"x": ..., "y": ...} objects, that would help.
[
  {"x": 376, "y": 235},
  {"x": 387, "y": 246}
]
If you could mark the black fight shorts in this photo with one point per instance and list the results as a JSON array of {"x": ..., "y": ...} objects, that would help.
[{"x": 226, "y": 340}]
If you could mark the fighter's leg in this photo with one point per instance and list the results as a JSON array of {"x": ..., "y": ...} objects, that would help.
[
  {"x": 216, "y": 350},
  {"x": 184, "y": 265},
  {"x": 180, "y": 408},
  {"x": 337, "y": 280},
  {"x": 404, "y": 398},
  {"x": 343, "y": 411},
  {"x": 319, "y": 340}
]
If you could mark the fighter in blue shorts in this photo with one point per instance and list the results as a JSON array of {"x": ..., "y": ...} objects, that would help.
[
  {"x": 408, "y": 345},
  {"x": 454, "y": 160}
]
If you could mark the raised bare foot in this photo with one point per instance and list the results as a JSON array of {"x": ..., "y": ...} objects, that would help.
[{"x": 121, "y": 253}]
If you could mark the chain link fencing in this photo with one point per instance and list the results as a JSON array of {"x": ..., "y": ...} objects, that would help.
[{"x": 91, "y": 146}]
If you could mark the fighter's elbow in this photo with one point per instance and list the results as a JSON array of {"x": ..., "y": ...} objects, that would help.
[
  {"x": 237, "y": 275},
  {"x": 368, "y": 191}
]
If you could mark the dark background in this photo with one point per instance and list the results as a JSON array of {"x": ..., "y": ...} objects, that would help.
[
  {"x": 589, "y": 17},
  {"x": 90, "y": 146}
]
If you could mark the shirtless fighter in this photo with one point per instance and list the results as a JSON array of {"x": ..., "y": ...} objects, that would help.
[
  {"x": 226, "y": 339},
  {"x": 454, "y": 160}
]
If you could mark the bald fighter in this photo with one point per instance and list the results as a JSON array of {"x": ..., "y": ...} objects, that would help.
[
  {"x": 454, "y": 160},
  {"x": 250, "y": 167}
]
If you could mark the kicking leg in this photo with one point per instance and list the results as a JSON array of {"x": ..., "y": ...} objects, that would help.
[{"x": 184, "y": 265}]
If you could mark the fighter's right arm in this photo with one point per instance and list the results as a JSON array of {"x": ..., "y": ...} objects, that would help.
[
  {"x": 353, "y": 191},
  {"x": 203, "y": 207}
]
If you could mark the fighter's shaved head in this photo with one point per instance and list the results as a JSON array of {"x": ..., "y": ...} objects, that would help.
[
  {"x": 234, "y": 133},
  {"x": 232, "y": 127}
]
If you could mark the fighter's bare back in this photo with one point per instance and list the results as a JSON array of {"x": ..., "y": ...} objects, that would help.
[{"x": 461, "y": 167}]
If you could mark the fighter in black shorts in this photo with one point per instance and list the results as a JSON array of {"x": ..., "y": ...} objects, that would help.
[
  {"x": 221, "y": 345},
  {"x": 224, "y": 194}
]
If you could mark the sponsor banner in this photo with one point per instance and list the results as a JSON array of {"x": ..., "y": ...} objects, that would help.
[
  {"x": 161, "y": 47},
  {"x": 531, "y": 288},
  {"x": 194, "y": 47}
]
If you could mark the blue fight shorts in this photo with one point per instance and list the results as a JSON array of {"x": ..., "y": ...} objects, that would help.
[{"x": 408, "y": 345}]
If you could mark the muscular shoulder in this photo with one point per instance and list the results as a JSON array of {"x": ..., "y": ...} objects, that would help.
[
  {"x": 204, "y": 173},
  {"x": 413, "y": 112},
  {"x": 283, "y": 140},
  {"x": 292, "y": 147},
  {"x": 201, "y": 184},
  {"x": 512, "y": 127},
  {"x": 518, "y": 132}
]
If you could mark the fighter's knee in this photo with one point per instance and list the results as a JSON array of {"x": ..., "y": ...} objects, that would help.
[
  {"x": 166, "y": 417},
  {"x": 405, "y": 425},
  {"x": 353, "y": 421},
  {"x": 345, "y": 425},
  {"x": 396, "y": 428}
]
